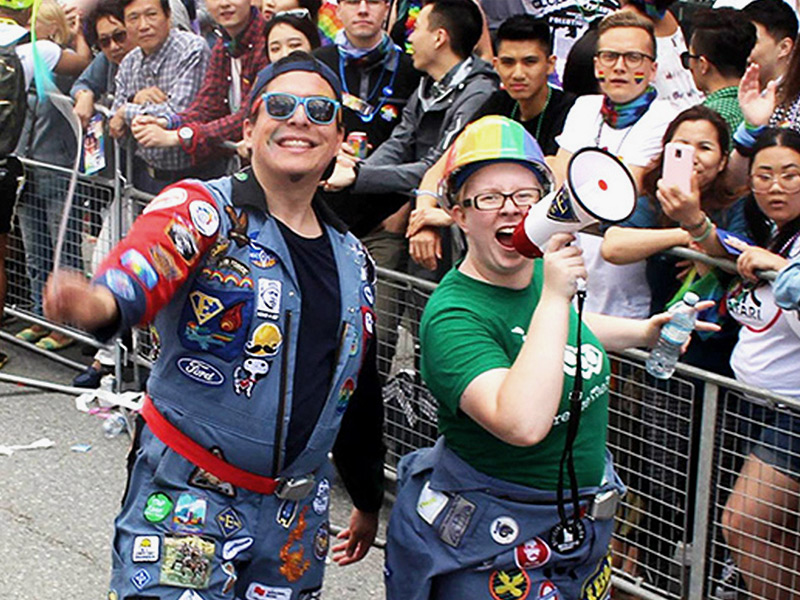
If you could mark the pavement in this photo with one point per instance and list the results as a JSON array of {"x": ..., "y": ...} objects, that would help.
[{"x": 57, "y": 505}]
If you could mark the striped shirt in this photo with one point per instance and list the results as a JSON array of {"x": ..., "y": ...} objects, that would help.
[{"x": 177, "y": 69}]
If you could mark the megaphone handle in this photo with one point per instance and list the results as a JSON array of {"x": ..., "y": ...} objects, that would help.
[{"x": 581, "y": 285}]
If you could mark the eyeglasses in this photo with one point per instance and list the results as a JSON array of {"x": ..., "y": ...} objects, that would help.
[
  {"x": 763, "y": 182},
  {"x": 496, "y": 200},
  {"x": 685, "y": 56},
  {"x": 609, "y": 58},
  {"x": 118, "y": 37},
  {"x": 281, "y": 105},
  {"x": 358, "y": 2},
  {"x": 300, "y": 13}
]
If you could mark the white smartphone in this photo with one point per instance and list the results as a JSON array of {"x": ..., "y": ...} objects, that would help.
[{"x": 678, "y": 166}]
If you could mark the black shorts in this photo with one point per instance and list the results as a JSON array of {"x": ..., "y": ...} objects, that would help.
[{"x": 11, "y": 176}]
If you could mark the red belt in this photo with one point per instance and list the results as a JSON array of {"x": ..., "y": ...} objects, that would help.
[{"x": 197, "y": 455}]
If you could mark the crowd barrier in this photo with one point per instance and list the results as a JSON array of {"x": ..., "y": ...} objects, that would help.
[{"x": 679, "y": 445}]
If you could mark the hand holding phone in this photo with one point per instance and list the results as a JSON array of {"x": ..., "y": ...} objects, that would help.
[{"x": 678, "y": 166}]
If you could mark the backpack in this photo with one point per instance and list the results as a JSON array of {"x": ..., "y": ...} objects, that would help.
[{"x": 13, "y": 99}]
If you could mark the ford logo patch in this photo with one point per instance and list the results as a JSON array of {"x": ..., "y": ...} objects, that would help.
[{"x": 200, "y": 371}]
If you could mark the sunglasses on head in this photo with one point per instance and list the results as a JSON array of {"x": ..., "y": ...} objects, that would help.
[
  {"x": 281, "y": 105},
  {"x": 119, "y": 37},
  {"x": 300, "y": 13}
]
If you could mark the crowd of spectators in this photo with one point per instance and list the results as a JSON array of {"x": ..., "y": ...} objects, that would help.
[{"x": 176, "y": 76}]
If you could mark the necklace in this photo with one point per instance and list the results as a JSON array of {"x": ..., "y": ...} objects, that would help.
[{"x": 540, "y": 116}]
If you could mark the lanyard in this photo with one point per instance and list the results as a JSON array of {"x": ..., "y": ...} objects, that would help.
[{"x": 387, "y": 90}]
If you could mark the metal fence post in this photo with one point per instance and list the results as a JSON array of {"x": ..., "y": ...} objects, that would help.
[{"x": 705, "y": 474}]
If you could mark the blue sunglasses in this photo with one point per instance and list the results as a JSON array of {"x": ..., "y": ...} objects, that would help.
[{"x": 319, "y": 109}]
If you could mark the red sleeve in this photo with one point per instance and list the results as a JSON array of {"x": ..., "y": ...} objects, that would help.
[{"x": 165, "y": 244}]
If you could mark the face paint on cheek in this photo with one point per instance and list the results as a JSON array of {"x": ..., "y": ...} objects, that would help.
[
  {"x": 638, "y": 76},
  {"x": 601, "y": 76}
]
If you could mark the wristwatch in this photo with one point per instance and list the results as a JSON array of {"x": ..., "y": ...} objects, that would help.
[{"x": 186, "y": 138}]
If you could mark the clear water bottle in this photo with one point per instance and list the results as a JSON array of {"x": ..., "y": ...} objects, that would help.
[
  {"x": 662, "y": 360},
  {"x": 115, "y": 424}
]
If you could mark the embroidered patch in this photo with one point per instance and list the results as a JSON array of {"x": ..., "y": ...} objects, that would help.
[
  {"x": 231, "y": 549},
  {"x": 226, "y": 278},
  {"x": 345, "y": 392},
  {"x": 532, "y": 554},
  {"x": 229, "y": 521},
  {"x": 182, "y": 239},
  {"x": 167, "y": 199},
  {"x": 157, "y": 507},
  {"x": 189, "y": 595},
  {"x": 293, "y": 562},
  {"x": 322, "y": 497},
  {"x": 205, "y": 480},
  {"x": 164, "y": 263},
  {"x": 321, "y": 541},
  {"x": 190, "y": 513},
  {"x": 204, "y": 217},
  {"x": 120, "y": 283},
  {"x": 200, "y": 371},
  {"x": 548, "y": 591},
  {"x": 430, "y": 503},
  {"x": 204, "y": 306},
  {"x": 314, "y": 594},
  {"x": 513, "y": 584},
  {"x": 265, "y": 341},
  {"x": 598, "y": 585},
  {"x": 140, "y": 579},
  {"x": 146, "y": 548},
  {"x": 504, "y": 530},
  {"x": 259, "y": 591},
  {"x": 369, "y": 294},
  {"x": 138, "y": 265},
  {"x": 269, "y": 298},
  {"x": 187, "y": 561},
  {"x": 261, "y": 257},
  {"x": 238, "y": 230},
  {"x": 248, "y": 374},
  {"x": 456, "y": 520},
  {"x": 230, "y": 571},
  {"x": 287, "y": 511}
]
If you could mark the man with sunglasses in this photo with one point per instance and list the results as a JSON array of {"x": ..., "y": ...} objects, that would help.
[
  {"x": 217, "y": 112},
  {"x": 105, "y": 29},
  {"x": 263, "y": 304},
  {"x": 629, "y": 121}
]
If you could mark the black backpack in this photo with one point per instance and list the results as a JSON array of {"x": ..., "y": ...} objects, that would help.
[{"x": 13, "y": 99}]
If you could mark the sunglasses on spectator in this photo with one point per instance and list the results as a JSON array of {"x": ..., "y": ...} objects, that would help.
[
  {"x": 299, "y": 13},
  {"x": 686, "y": 56},
  {"x": 320, "y": 110},
  {"x": 118, "y": 37},
  {"x": 609, "y": 58}
]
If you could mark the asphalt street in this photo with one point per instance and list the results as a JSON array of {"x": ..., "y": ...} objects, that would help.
[{"x": 57, "y": 505}]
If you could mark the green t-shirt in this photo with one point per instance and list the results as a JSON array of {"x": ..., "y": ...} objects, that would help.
[{"x": 470, "y": 327}]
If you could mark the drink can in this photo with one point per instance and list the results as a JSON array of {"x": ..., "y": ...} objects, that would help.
[{"x": 358, "y": 142}]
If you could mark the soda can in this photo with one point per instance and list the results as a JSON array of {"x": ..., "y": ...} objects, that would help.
[{"x": 357, "y": 140}]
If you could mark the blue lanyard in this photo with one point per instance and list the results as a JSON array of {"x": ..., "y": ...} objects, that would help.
[{"x": 387, "y": 90}]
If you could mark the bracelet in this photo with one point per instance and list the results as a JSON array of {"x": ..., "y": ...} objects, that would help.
[
  {"x": 707, "y": 232},
  {"x": 697, "y": 225},
  {"x": 434, "y": 195},
  {"x": 745, "y": 136}
]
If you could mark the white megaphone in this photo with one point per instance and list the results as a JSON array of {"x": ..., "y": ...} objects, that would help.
[{"x": 598, "y": 188}]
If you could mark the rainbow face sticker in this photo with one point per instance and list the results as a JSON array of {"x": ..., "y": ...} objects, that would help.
[
  {"x": 638, "y": 76},
  {"x": 601, "y": 75}
]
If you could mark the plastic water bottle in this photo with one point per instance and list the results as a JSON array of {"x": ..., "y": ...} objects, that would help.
[
  {"x": 115, "y": 424},
  {"x": 662, "y": 360},
  {"x": 107, "y": 385}
]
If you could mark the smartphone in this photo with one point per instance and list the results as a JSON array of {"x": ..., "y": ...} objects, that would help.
[{"x": 678, "y": 166}]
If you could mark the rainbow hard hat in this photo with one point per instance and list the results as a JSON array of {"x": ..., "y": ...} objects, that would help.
[
  {"x": 16, "y": 4},
  {"x": 490, "y": 139}
]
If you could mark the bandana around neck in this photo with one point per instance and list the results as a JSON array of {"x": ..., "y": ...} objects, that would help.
[
  {"x": 363, "y": 56},
  {"x": 620, "y": 116}
]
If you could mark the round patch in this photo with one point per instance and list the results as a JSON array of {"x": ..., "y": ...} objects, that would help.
[
  {"x": 504, "y": 530},
  {"x": 120, "y": 283},
  {"x": 167, "y": 199},
  {"x": 205, "y": 217},
  {"x": 566, "y": 537},
  {"x": 321, "y": 541},
  {"x": 548, "y": 591},
  {"x": 532, "y": 554},
  {"x": 369, "y": 294},
  {"x": 513, "y": 584},
  {"x": 157, "y": 507}
]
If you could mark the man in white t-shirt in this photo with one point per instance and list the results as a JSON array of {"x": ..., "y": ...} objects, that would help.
[{"x": 628, "y": 121}]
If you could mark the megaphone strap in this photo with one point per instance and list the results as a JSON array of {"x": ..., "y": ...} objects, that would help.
[{"x": 567, "y": 459}]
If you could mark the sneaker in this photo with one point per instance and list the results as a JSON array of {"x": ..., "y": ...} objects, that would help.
[{"x": 90, "y": 378}]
